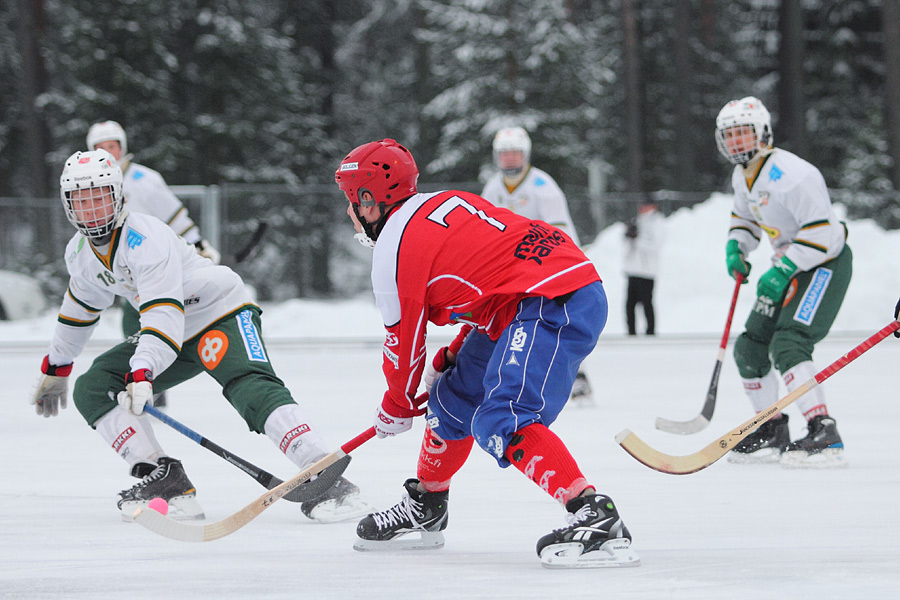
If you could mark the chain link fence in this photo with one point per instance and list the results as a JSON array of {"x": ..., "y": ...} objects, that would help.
[{"x": 308, "y": 250}]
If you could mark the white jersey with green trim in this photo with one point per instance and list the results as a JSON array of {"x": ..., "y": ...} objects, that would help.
[
  {"x": 536, "y": 197},
  {"x": 789, "y": 201},
  {"x": 146, "y": 192},
  {"x": 177, "y": 292}
]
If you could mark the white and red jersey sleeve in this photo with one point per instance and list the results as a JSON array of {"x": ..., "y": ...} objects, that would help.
[{"x": 453, "y": 257}]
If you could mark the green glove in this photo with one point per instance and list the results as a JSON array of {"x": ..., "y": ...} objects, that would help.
[
  {"x": 734, "y": 260},
  {"x": 774, "y": 281}
]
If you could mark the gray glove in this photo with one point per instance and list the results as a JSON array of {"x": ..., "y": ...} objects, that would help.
[{"x": 52, "y": 389}]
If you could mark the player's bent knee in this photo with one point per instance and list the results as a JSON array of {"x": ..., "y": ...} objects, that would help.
[
  {"x": 789, "y": 350},
  {"x": 751, "y": 356}
]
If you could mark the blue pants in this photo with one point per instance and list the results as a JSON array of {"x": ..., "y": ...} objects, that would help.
[{"x": 525, "y": 377}]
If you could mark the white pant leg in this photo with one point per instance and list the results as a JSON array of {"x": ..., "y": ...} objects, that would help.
[
  {"x": 130, "y": 436},
  {"x": 290, "y": 431}
]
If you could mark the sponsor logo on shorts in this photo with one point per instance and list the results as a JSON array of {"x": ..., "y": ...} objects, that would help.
[
  {"x": 517, "y": 345},
  {"x": 291, "y": 435},
  {"x": 752, "y": 385},
  {"x": 764, "y": 306},
  {"x": 812, "y": 299},
  {"x": 123, "y": 437},
  {"x": 432, "y": 421},
  {"x": 250, "y": 335},
  {"x": 212, "y": 348},
  {"x": 495, "y": 446}
]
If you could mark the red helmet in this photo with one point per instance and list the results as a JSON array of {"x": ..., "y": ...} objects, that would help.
[{"x": 384, "y": 168}]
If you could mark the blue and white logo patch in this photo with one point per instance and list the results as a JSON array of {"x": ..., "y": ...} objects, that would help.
[
  {"x": 134, "y": 239},
  {"x": 775, "y": 173},
  {"x": 250, "y": 335},
  {"x": 809, "y": 305}
]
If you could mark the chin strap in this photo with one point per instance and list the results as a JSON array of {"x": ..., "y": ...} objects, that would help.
[{"x": 371, "y": 230}]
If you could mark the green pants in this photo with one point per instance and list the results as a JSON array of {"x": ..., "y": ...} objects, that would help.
[
  {"x": 230, "y": 350},
  {"x": 131, "y": 320},
  {"x": 786, "y": 332}
]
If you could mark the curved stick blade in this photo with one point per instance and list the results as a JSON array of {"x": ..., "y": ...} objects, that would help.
[{"x": 695, "y": 425}]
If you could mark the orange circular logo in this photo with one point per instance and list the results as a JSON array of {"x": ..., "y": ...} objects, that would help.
[{"x": 212, "y": 348}]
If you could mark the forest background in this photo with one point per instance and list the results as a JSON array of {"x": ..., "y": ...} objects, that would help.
[{"x": 619, "y": 97}]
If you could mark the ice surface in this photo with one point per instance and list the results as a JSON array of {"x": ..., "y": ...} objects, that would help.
[{"x": 731, "y": 531}]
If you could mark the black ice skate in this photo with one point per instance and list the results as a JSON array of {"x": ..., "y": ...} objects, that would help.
[
  {"x": 420, "y": 513},
  {"x": 596, "y": 537},
  {"x": 582, "y": 395},
  {"x": 821, "y": 448},
  {"x": 340, "y": 502},
  {"x": 765, "y": 445},
  {"x": 165, "y": 480}
]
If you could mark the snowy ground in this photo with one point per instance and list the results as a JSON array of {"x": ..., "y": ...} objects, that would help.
[{"x": 736, "y": 531}]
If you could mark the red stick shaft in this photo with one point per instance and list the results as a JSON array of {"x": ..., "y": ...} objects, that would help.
[
  {"x": 359, "y": 440},
  {"x": 738, "y": 280},
  {"x": 856, "y": 352}
]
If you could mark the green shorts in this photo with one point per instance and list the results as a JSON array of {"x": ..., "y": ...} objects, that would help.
[
  {"x": 787, "y": 333},
  {"x": 231, "y": 351}
]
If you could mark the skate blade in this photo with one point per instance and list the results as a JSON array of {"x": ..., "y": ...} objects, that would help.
[
  {"x": 616, "y": 552},
  {"x": 181, "y": 508},
  {"x": 830, "y": 458},
  {"x": 766, "y": 456},
  {"x": 329, "y": 511},
  {"x": 424, "y": 540}
]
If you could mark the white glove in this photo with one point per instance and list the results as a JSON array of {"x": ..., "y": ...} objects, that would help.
[
  {"x": 437, "y": 366},
  {"x": 388, "y": 425},
  {"x": 205, "y": 249},
  {"x": 138, "y": 391},
  {"x": 52, "y": 390}
]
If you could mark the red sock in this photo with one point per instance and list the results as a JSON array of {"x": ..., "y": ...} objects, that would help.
[
  {"x": 439, "y": 460},
  {"x": 544, "y": 459}
]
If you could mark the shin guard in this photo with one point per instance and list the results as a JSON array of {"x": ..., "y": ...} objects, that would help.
[
  {"x": 130, "y": 436},
  {"x": 439, "y": 460},
  {"x": 812, "y": 403},
  {"x": 544, "y": 459}
]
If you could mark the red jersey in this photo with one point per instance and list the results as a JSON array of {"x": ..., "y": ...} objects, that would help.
[{"x": 453, "y": 257}]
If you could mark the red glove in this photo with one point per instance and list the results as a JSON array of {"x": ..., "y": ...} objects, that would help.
[{"x": 445, "y": 358}]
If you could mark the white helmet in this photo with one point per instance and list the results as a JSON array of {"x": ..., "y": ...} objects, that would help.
[
  {"x": 104, "y": 132},
  {"x": 512, "y": 139},
  {"x": 97, "y": 171},
  {"x": 744, "y": 116}
]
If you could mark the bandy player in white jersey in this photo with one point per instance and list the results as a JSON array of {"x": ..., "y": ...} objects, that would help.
[
  {"x": 528, "y": 191},
  {"x": 195, "y": 317},
  {"x": 523, "y": 188},
  {"x": 146, "y": 192},
  {"x": 780, "y": 196}
]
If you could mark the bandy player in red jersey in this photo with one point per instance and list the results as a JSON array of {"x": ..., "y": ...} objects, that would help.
[{"x": 531, "y": 306}]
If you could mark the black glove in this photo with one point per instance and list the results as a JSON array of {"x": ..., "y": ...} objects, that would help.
[{"x": 631, "y": 231}]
